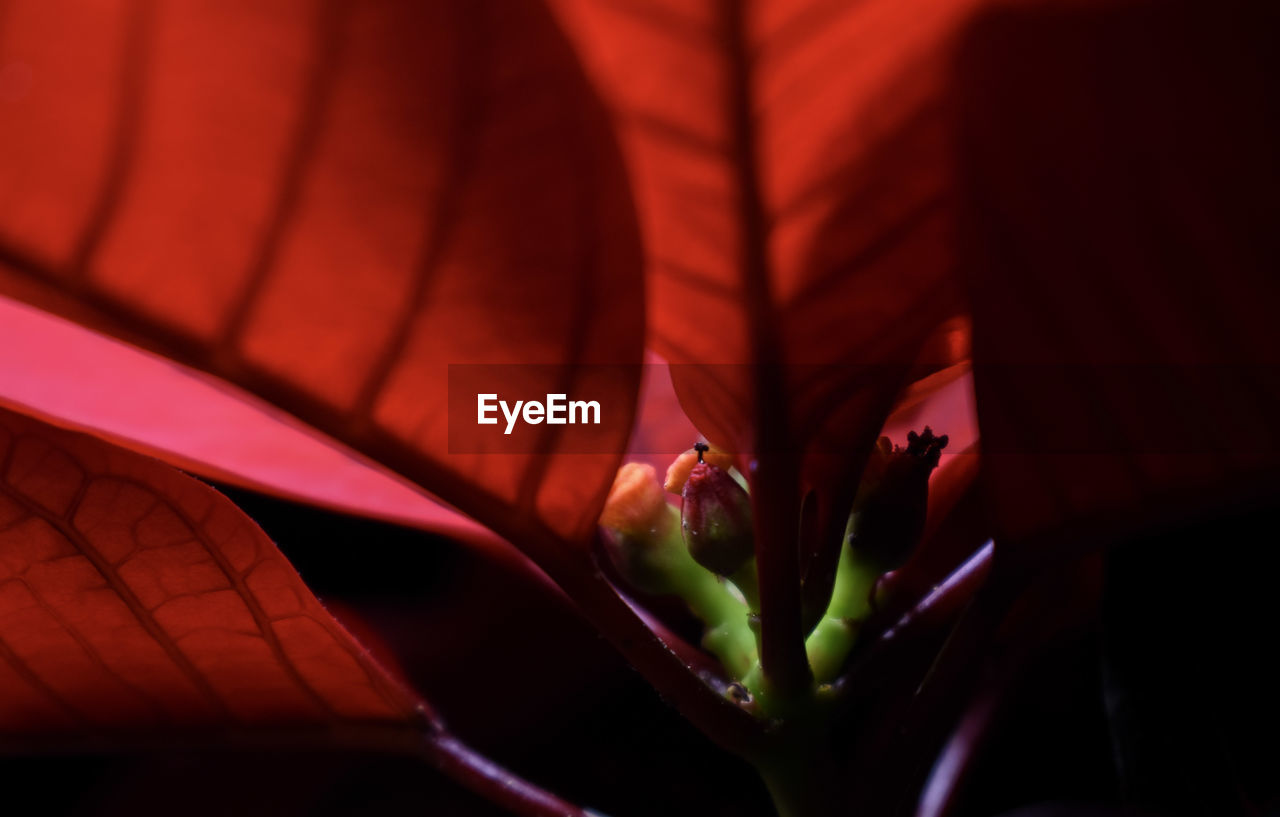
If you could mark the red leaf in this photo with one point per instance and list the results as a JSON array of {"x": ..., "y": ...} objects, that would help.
[
  {"x": 328, "y": 204},
  {"x": 135, "y": 599},
  {"x": 1122, "y": 259},
  {"x": 791, "y": 164},
  {"x": 70, "y": 376},
  {"x": 662, "y": 430}
]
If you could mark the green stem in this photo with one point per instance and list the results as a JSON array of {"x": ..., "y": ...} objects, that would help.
[
  {"x": 748, "y": 584},
  {"x": 801, "y": 782},
  {"x": 727, "y": 635},
  {"x": 835, "y": 634},
  {"x": 770, "y": 702}
]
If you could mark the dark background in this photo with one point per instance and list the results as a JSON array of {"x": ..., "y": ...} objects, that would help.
[{"x": 1184, "y": 651}]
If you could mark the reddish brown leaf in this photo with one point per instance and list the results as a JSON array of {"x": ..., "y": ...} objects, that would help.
[
  {"x": 328, "y": 203},
  {"x": 1121, "y": 255},
  {"x": 134, "y": 599},
  {"x": 791, "y": 165},
  {"x": 139, "y": 607},
  {"x": 662, "y": 430}
]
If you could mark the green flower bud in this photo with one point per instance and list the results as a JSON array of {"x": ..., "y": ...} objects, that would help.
[
  {"x": 889, "y": 511},
  {"x": 642, "y": 538},
  {"x": 887, "y": 522},
  {"x": 641, "y": 525},
  {"x": 716, "y": 518}
]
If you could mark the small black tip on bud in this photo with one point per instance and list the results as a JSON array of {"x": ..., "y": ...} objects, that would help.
[{"x": 701, "y": 448}]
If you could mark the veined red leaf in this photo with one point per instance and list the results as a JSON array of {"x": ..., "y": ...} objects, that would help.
[
  {"x": 328, "y": 204},
  {"x": 140, "y": 608},
  {"x": 1121, "y": 257},
  {"x": 791, "y": 168},
  {"x": 135, "y": 600},
  {"x": 791, "y": 163}
]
